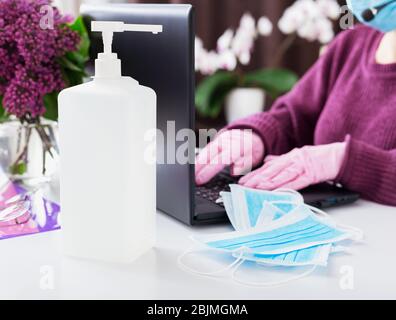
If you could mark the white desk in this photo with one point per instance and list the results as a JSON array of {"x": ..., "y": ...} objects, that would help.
[{"x": 156, "y": 275}]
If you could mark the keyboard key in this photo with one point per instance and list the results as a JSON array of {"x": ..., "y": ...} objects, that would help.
[{"x": 211, "y": 191}]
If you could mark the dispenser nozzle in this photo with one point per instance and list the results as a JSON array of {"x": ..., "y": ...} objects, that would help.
[
  {"x": 116, "y": 26},
  {"x": 108, "y": 28}
]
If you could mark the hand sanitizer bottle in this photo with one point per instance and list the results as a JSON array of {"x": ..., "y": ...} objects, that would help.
[{"x": 108, "y": 189}]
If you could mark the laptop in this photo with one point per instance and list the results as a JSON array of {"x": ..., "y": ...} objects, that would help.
[{"x": 166, "y": 64}]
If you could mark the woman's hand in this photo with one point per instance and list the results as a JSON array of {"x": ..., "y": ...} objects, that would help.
[
  {"x": 240, "y": 149},
  {"x": 299, "y": 168}
]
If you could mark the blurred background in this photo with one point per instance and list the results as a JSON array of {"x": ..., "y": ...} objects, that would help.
[
  {"x": 278, "y": 41},
  {"x": 247, "y": 54},
  {"x": 215, "y": 16}
]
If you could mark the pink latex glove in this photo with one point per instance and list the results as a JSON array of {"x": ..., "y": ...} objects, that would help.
[
  {"x": 240, "y": 149},
  {"x": 299, "y": 168}
]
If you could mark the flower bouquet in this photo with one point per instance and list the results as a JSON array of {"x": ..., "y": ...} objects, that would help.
[{"x": 41, "y": 52}]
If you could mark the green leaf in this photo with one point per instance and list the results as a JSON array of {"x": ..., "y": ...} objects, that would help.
[
  {"x": 19, "y": 168},
  {"x": 72, "y": 78},
  {"x": 79, "y": 27},
  {"x": 51, "y": 105},
  {"x": 217, "y": 102},
  {"x": 68, "y": 64},
  {"x": 2, "y": 111},
  {"x": 274, "y": 81},
  {"x": 3, "y": 114},
  {"x": 73, "y": 63},
  {"x": 77, "y": 58},
  {"x": 211, "y": 92}
]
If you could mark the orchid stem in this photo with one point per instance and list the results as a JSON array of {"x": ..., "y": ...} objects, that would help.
[{"x": 282, "y": 49}]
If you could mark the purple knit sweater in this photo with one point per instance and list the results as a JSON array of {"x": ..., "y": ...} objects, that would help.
[{"x": 344, "y": 96}]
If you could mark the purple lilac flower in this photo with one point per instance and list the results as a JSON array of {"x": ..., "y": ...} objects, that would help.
[{"x": 28, "y": 55}]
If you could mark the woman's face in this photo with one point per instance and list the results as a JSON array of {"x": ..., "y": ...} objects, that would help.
[{"x": 385, "y": 18}]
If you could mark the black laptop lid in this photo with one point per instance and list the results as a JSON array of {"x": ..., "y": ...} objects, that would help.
[{"x": 165, "y": 63}]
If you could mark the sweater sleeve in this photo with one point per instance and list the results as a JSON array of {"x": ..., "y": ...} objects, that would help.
[
  {"x": 369, "y": 170},
  {"x": 291, "y": 121}
]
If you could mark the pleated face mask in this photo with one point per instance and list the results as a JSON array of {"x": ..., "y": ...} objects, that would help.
[
  {"x": 307, "y": 260},
  {"x": 298, "y": 238},
  {"x": 247, "y": 204},
  {"x": 316, "y": 255},
  {"x": 273, "y": 228},
  {"x": 297, "y": 230}
]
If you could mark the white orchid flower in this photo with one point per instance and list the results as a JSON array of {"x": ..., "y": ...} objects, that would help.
[
  {"x": 231, "y": 46},
  {"x": 245, "y": 58},
  {"x": 224, "y": 42},
  {"x": 247, "y": 22},
  {"x": 228, "y": 60},
  {"x": 330, "y": 8},
  {"x": 310, "y": 19},
  {"x": 264, "y": 26}
]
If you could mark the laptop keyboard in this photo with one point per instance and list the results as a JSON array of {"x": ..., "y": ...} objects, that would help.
[{"x": 211, "y": 191}]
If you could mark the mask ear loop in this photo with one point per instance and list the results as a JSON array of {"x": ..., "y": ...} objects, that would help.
[
  {"x": 270, "y": 283},
  {"x": 235, "y": 264},
  {"x": 319, "y": 212},
  {"x": 356, "y": 232}
]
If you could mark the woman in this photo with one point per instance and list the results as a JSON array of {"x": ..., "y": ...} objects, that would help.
[{"x": 337, "y": 124}]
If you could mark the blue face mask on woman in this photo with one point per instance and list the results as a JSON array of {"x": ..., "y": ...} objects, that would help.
[{"x": 379, "y": 14}]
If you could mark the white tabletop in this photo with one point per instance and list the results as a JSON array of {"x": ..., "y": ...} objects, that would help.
[{"x": 33, "y": 267}]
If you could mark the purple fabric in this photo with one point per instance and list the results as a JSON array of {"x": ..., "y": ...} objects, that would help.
[{"x": 344, "y": 96}]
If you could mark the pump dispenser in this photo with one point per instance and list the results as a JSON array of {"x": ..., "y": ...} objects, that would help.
[
  {"x": 108, "y": 65},
  {"x": 108, "y": 187}
]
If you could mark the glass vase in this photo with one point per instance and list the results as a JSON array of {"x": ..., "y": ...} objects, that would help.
[{"x": 29, "y": 153}]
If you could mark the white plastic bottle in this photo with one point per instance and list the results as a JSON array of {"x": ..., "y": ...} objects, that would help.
[{"x": 107, "y": 188}]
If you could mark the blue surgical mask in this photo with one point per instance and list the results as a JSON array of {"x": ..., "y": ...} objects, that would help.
[
  {"x": 311, "y": 257},
  {"x": 316, "y": 255},
  {"x": 277, "y": 230},
  {"x": 379, "y": 14},
  {"x": 269, "y": 212},
  {"x": 241, "y": 221},
  {"x": 299, "y": 238},
  {"x": 227, "y": 202},
  {"x": 297, "y": 230},
  {"x": 248, "y": 203}
]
